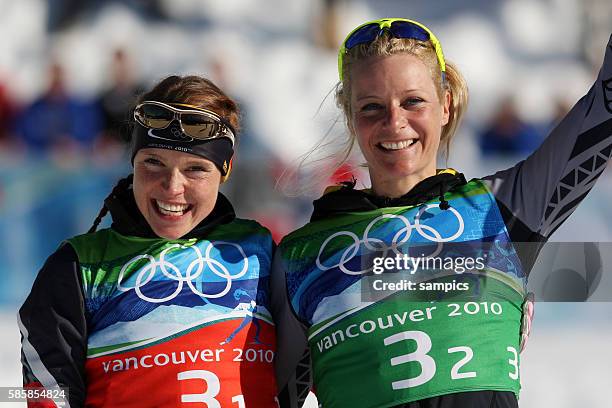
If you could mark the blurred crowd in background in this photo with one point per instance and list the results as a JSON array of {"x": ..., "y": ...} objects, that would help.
[{"x": 71, "y": 70}]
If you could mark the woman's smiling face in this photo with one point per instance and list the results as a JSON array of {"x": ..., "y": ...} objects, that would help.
[
  {"x": 397, "y": 117},
  {"x": 174, "y": 191}
]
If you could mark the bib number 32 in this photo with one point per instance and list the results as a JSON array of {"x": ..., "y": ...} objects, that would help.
[{"x": 428, "y": 364}]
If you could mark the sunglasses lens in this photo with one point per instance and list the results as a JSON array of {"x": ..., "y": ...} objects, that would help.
[
  {"x": 363, "y": 35},
  {"x": 198, "y": 126},
  {"x": 399, "y": 29},
  {"x": 154, "y": 116},
  {"x": 194, "y": 124},
  {"x": 404, "y": 29}
]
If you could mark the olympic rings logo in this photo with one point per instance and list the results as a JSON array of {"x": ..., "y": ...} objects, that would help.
[
  {"x": 401, "y": 237},
  {"x": 171, "y": 271}
]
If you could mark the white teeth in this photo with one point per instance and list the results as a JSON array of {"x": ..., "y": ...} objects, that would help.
[
  {"x": 398, "y": 145},
  {"x": 171, "y": 209}
]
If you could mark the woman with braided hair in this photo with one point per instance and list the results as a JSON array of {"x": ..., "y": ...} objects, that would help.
[{"x": 138, "y": 314}]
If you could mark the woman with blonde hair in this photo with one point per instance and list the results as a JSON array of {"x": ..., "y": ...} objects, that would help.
[{"x": 412, "y": 293}]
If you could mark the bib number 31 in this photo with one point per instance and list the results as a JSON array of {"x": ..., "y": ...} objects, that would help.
[{"x": 212, "y": 386}]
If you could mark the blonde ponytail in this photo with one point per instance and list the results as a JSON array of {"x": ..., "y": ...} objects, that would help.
[{"x": 456, "y": 85}]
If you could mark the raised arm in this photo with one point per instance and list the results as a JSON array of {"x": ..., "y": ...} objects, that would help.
[
  {"x": 54, "y": 330},
  {"x": 539, "y": 193}
]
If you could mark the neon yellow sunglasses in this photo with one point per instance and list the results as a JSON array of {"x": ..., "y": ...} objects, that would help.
[{"x": 398, "y": 28}]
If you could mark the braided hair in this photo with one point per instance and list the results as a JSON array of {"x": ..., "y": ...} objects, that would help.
[{"x": 121, "y": 186}]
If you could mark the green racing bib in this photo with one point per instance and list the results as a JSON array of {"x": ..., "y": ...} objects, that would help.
[{"x": 384, "y": 339}]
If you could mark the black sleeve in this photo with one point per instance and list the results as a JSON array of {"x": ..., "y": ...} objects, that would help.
[
  {"x": 538, "y": 194},
  {"x": 292, "y": 361},
  {"x": 54, "y": 330}
]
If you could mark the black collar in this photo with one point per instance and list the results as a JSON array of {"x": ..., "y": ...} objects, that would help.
[
  {"x": 346, "y": 199},
  {"x": 128, "y": 220}
]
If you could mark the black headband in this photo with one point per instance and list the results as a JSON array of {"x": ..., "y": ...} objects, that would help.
[{"x": 218, "y": 150}]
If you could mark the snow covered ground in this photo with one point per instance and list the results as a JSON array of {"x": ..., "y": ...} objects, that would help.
[{"x": 10, "y": 366}]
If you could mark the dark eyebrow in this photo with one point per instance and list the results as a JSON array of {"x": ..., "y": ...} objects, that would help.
[
  {"x": 360, "y": 98},
  {"x": 197, "y": 162},
  {"x": 404, "y": 93}
]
